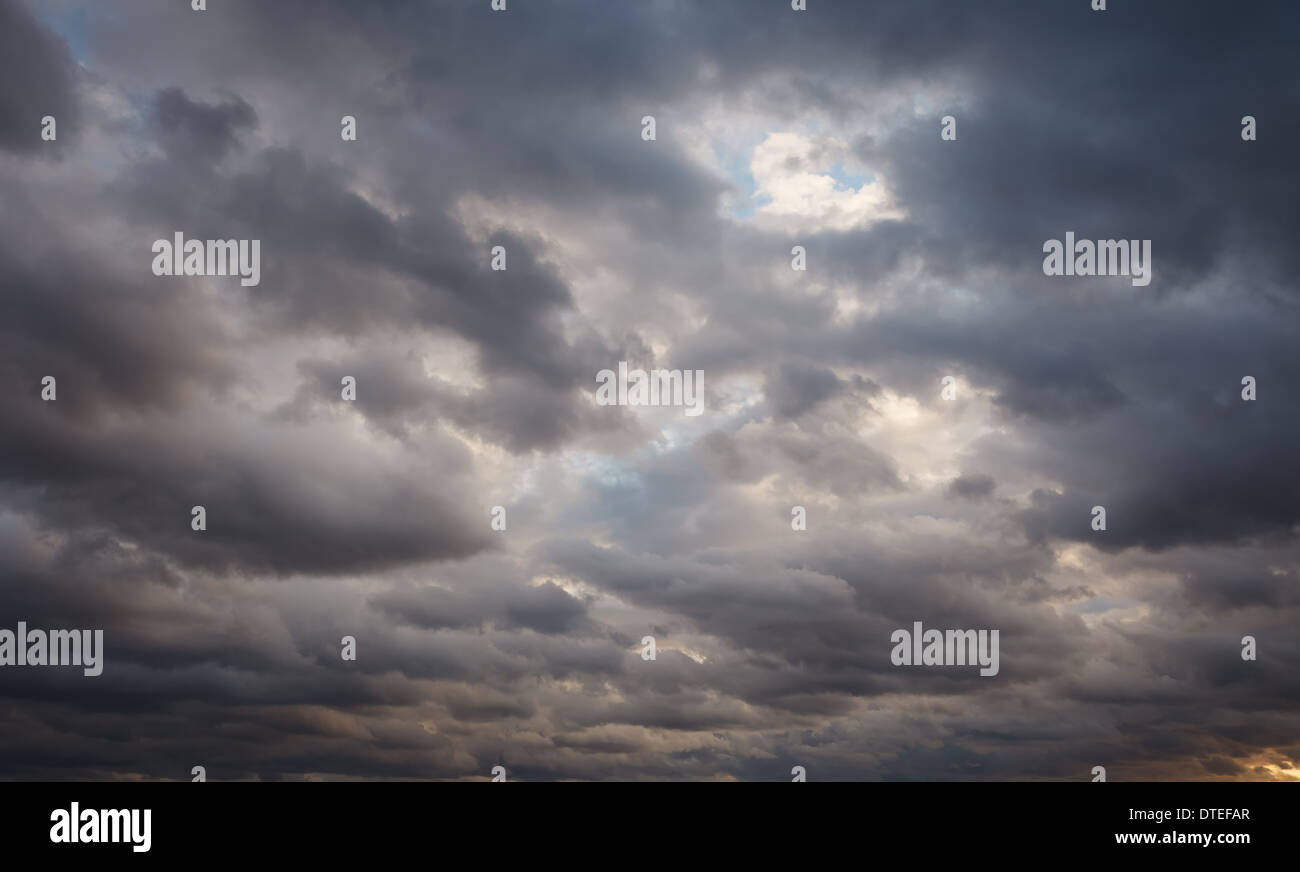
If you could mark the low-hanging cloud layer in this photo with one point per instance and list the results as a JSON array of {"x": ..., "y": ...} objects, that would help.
[{"x": 823, "y": 389}]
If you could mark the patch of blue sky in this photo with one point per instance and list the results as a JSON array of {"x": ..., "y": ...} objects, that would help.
[
  {"x": 604, "y": 471},
  {"x": 744, "y": 202},
  {"x": 847, "y": 179},
  {"x": 71, "y": 25},
  {"x": 1097, "y": 605}
]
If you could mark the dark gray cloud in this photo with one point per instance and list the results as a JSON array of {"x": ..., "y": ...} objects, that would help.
[
  {"x": 37, "y": 79},
  {"x": 794, "y": 389},
  {"x": 188, "y": 130},
  {"x": 972, "y": 486},
  {"x": 822, "y": 390}
]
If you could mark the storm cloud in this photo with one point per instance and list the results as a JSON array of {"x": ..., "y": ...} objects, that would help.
[{"x": 916, "y": 427}]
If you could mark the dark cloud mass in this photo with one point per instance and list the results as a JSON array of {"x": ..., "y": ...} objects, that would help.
[
  {"x": 917, "y": 427},
  {"x": 36, "y": 80}
]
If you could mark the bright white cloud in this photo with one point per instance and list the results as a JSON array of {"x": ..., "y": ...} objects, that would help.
[{"x": 797, "y": 177}]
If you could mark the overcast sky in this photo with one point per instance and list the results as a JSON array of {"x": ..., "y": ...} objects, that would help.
[{"x": 822, "y": 389}]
